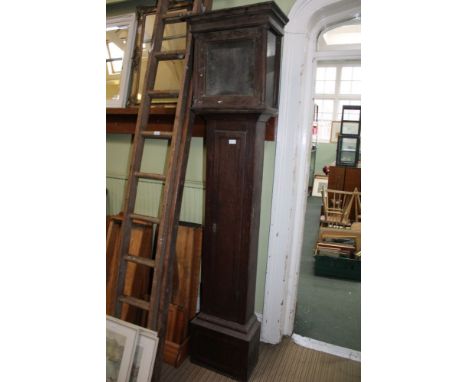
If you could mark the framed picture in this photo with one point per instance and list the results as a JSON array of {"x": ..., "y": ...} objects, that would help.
[
  {"x": 335, "y": 131},
  {"x": 350, "y": 128},
  {"x": 320, "y": 183},
  {"x": 347, "y": 151},
  {"x": 121, "y": 341},
  {"x": 128, "y": 361},
  {"x": 145, "y": 354},
  {"x": 351, "y": 113}
]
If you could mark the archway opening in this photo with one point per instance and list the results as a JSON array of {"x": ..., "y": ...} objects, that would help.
[
  {"x": 293, "y": 153},
  {"x": 328, "y": 297}
]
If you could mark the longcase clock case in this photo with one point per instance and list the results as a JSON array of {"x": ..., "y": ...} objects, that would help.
[{"x": 236, "y": 69}]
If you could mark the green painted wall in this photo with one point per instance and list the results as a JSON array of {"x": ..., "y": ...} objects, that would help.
[
  {"x": 265, "y": 218},
  {"x": 117, "y": 157},
  {"x": 149, "y": 192},
  {"x": 326, "y": 154}
]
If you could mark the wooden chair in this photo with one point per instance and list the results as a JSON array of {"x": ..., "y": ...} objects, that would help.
[
  {"x": 337, "y": 207},
  {"x": 357, "y": 205}
]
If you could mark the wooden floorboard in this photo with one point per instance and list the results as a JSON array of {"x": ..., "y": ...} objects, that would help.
[{"x": 283, "y": 362}]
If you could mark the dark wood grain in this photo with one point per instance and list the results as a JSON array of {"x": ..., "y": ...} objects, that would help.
[
  {"x": 352, "y": 179},
  {"x": 234, "y": 173},
  {"x": 226, "y": 333},
  {"x": 344, "y": 178},
  {"x": 336, "y": 178},
  {"x": 242, "y": 24}
]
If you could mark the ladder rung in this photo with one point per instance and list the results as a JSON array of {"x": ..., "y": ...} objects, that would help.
[
  {"x": 171, "y": 55},
  {"x": 157, "y": 134},
  {"x": 163, "y": 93},
  {"x": 142, "y": 304},
  {"x": 175, "y": 17},
  {"x": 145, "y": 218},
  {"x": 180, "y": 4},
  {"x": 140, "y": 260},
  {"x": 146, "y": 175}
]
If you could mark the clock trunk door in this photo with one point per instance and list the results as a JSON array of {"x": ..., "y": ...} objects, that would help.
[{"x": 225, "y": 257}]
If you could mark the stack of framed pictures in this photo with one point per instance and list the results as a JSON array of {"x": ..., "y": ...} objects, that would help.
[
  {"x": 336, "y": 247},
  {"x": 130, "y": 352},
  {"x": 338, "y": 255},
  {"x": 349, "y": 139},
  {"x": 337, "y": 267}
]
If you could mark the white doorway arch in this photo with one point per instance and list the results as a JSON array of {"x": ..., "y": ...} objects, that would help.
[{"x": 306, "y": 20}]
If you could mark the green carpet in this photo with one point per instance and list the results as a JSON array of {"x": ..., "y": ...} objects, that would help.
[{"x": 328, "y": 309}]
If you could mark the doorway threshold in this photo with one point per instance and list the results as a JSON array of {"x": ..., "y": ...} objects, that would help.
[{"x": 324, "y": 347}]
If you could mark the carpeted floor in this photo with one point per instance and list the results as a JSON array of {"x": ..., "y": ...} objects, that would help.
[
  {"x": 328, "y": 309},
  {"x": 277, "y": 363}
]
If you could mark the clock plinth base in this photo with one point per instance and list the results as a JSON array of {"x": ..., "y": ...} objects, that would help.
[{"x": 232, "y": 352}]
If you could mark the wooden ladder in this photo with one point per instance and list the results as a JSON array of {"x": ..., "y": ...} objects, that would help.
[{"x": 173, "y": 180}]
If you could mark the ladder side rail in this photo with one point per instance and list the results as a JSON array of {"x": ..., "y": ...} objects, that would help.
[
  {"x": 166, "y": 207},
  {"x": 183, "y": 127},
  {"x": 169, "y": 258}
]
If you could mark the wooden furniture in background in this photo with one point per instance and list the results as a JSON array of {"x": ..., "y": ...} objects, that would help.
[
  {"x": 344, "y": 178},
  {"x": 236, "y": 74},
  {"x": 186, "y": 281},
  {"x": 187, "y": 273},
  {"x": 137, "y": 278},
  {"x": 339, "y": 260},
  {"x": 353, "y": 232},
  {"x": 357, "y": 205},
  {"x": 337, "y": 207}
]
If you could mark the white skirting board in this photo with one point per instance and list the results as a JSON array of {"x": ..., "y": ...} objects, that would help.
[{"x": 327, "y": 348}]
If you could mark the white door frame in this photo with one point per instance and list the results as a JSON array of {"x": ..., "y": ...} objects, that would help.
[{"x": 306, "y": 20}]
